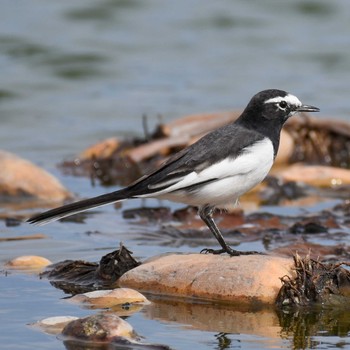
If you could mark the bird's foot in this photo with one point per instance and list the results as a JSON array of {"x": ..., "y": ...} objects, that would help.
[
  {"x": 229, "y": 251},
  {"x": 212, "y": 251}
]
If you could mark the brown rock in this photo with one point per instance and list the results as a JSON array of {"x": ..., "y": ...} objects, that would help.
[
  {"x": 22, "y": 178},
  {"x": 196, "y": 124},
  {"x": 102, "y": 150},
  {"x": 316, "y": 175},
  {"x": 250, "y": 278},
  {"x": 161, "y": 146}
]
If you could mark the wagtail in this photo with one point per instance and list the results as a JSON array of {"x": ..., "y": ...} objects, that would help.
[{"x": 213, "y": 172}]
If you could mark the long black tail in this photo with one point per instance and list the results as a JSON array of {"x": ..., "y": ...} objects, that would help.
[{"x": 77, "y": 207}]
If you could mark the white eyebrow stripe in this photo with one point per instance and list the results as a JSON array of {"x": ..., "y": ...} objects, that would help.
[{"x": 290, "y": 99}]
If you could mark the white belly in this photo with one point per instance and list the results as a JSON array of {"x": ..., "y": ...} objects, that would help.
[{"x": 233, "y": 177}]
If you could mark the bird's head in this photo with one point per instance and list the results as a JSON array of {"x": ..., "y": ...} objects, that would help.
[{"x": 277, "y": 105}]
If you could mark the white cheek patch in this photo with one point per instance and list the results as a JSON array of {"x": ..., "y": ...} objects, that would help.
[{"x": 290, "y": 99}]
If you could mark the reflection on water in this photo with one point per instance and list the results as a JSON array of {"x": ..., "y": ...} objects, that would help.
[
  {"x": 73, "y": 73},
  {"x": 269, "y": 327},
  {"x": 309, "y": 328}
]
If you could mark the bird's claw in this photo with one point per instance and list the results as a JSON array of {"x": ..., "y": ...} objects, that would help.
[
  {"x": 229, "y": 251},
  {"x": 212, "y": 251}
]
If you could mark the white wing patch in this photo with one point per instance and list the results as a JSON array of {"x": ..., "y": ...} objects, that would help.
[
  {"x": 290, "y": 99},
  {"x": 231, "y": 178}
]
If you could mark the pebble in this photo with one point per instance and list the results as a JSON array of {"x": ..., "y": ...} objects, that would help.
[
  {"x": 109, "y": 298},
  {"x": 28, "y": 262}
]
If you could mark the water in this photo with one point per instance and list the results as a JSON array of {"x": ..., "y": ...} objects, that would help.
[{"x": 75, "y": 72}]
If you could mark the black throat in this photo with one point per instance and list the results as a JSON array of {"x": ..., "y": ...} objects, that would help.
[{"x": 271, "y": 128}]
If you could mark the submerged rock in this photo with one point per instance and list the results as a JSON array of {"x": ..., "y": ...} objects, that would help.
[
  {"x": 99, "y": 328},
  {"x": 104, "y": 331},
  {"x": 242, "y": 279}
]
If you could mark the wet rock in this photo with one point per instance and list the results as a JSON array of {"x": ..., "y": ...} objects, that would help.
[
  {"x": 243, "y": 279},
  {"x": 100, "y": 328},
  {"x": 110, "y": 298},
  {"x": 104, "y": 331},
  {"x": 21, "y": 178},
  {"x": 28, "y": 262},
  {"x": 53, "y": 325}
]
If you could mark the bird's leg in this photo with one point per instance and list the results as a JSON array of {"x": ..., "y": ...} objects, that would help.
[{"x": 206, "y": 214}]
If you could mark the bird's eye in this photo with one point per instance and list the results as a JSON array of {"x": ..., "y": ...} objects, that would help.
[{"x": 283, "y": 104}]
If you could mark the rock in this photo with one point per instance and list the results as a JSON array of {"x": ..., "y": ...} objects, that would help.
[
  {"x": 109, "y": 298},
  {"x": 53, "y": 325},
  {"x": 101, "y": 150},
  {"x": 155, "y": 147},
  {"x": 243, "y": 279},
  {"x": 99, "y": 328},
  {"x": 315, "y": 175},
  {"x": 21, "y": 178},
  {"x": 196, "y": 124},
  {"x": 28, "y": 262}
]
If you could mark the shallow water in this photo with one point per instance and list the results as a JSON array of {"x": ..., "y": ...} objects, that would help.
[{"x": 73, "y": 73}]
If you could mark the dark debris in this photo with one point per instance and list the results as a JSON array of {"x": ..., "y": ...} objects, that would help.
[
  {"x": 315, "y": 282},
  {"x": 77, "y": 276}
]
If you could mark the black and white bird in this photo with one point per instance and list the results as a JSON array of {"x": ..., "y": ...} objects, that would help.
[{"x": 213, "y": 172}]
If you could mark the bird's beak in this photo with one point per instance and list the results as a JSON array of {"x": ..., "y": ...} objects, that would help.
[{"x": 306, "y": 108}]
